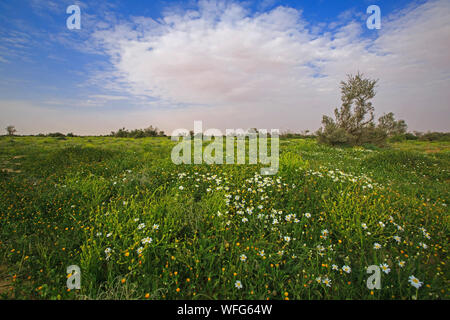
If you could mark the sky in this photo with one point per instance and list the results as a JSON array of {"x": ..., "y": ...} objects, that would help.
[{"x": 230, "y": 64}]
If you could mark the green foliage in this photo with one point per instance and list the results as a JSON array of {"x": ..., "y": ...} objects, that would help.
[
  {"x": 138, "y": 133},
  {"x": 210, "y": 226},
  {"x": 392, "y": 128},
  {"x": 435, "y": 136},
  {"x": 56, "y": 135}
]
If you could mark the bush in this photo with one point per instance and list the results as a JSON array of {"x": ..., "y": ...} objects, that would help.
[
  {"x": 55, "y": 135},
  {"x": 397, "y": 138},
  {"x": 435, "y": 136},
  {"x": 410, "y": 136}
]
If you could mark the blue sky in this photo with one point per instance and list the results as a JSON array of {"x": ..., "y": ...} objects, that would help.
[{"x": 266, "y": 64}]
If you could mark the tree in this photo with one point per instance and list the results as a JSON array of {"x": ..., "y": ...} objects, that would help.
[
  {"x": 356, "y": 112},
  {"x": 390, "y": 126},
  {"x": 354, "y": 121},
  {"x": 11, "y": 130}
]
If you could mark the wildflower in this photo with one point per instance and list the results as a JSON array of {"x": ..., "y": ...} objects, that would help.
[
  {"x": 139, "y": 250},
  {"x": 243, "y": 257},
  {"x": 381, "y": 224},
  {"x": 287, "y": 239},
  {"x": 238, "y": 284},
  {"x": 401, "y": 264},
  {"x": 327, "y": 282},
  {"x": 423, "y": 245},
  {"x": 324, "y": 233},
  {"x": 155, "y": 226},
  {"x": 334, "y": 267},
  {"x": 376, "y": 246},
  {"x": 244, "y": 220},
  {"x": 109, "y": 235},
  {"x": 415, "y": 282},
  {"x": 308, "y": 215},
  {"x": 397, "y": 238},
  {"x": 364, "y": 226},
  {"x": 181, "y": 187},
  {"x": 146, "y": 240},
  {"x": 141, "y": 226},
  {"x": 108, "y": 253},
  {"x": 346, "y": 269},
  {"x": 385, "y": 268},
  {"x": 261, "y": 253}
]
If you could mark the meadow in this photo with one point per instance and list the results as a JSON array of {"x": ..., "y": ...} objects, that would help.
[{"x": 140, "y": 227}]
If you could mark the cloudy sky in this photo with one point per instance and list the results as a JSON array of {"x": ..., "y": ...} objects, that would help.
[{"x": 265, "y": 64}]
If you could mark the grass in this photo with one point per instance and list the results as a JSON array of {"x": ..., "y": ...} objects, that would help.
[{"x": 141, "y": 227}]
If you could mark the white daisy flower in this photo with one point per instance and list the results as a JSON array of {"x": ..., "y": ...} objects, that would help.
[
  {"x": 385, "y": 268},
  {"x": 327, "y": 282},
  {"x": 415, "y": 282}
]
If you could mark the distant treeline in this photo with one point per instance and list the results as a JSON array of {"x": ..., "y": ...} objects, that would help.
[
  {"x": 416, "y": 135},
  {"x": 154, "y": 132},
  {"x": 138, "y": 133},
  {"x": 295, "y": 135}
]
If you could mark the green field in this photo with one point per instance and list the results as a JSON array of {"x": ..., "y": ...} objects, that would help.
[{"x": 140, "y": 227}]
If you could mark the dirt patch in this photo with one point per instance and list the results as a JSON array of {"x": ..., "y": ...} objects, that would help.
[{"x": 18, "y": 157}]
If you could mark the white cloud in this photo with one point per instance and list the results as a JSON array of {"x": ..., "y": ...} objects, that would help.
[
  {"x": 232, "y": 68},
  {"x": 270, "y": 69}
]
